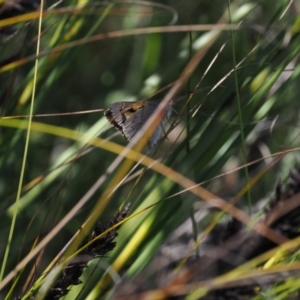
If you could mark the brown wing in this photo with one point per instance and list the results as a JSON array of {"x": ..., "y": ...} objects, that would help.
[
  {"x": 133, "y": 124},
  {"x": 116, "y": 114}
]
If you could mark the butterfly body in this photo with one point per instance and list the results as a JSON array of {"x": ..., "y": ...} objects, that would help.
[{"x": 129, "y": 118}]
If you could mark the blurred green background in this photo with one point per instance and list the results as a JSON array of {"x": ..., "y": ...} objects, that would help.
[{"x": 132, "y": 67}]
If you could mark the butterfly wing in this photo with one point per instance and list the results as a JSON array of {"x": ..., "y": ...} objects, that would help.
[
  {"x": 129, "y": 118},
  {"x": 138, "y": 119},
  {"x": 114, "y": 113},
  {"x": 116, "y": 116}
]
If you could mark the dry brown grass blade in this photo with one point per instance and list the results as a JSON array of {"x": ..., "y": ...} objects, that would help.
[
  {"x": 160, "y": 168},
  {"x": 221, "y": 282}
]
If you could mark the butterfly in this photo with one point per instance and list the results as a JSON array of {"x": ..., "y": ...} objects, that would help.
[{"x": 129, "y": 118}]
